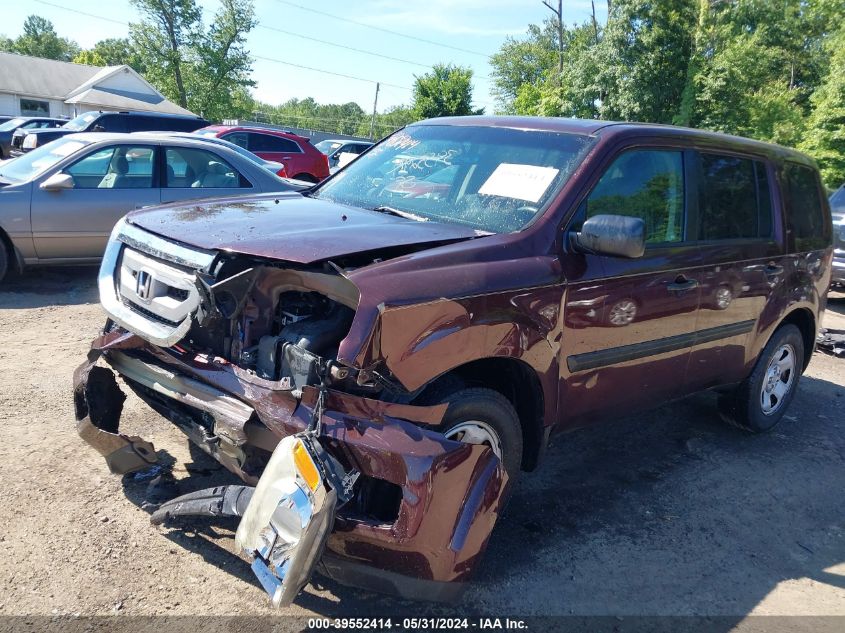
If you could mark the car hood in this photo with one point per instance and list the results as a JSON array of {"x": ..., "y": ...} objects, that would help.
[{"x": 291, "y": 227}]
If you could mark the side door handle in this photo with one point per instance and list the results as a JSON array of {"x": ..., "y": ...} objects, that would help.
[{"x": 682, "y": 285}]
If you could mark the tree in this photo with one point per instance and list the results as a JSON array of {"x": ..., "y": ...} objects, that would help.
[
  {"x": 119, "y": 51},
  {"x": 204, "y": 70},
  {"x": 40, "y": 39},
  {"x": 522, "y": 62},
  {"x": 825, "y": 136},
  {"x": 89, "y": 57},
  {"x": 165, "y": 38},
  {"x": 445, "y": 91}
]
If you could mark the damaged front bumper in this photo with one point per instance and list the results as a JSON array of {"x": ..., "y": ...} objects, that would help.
[{"x": 415, "y": 522}]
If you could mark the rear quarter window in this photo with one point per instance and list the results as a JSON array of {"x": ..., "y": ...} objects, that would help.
[
  {"x": 806, "y": 214},
  {"x": 734, "y": 200}
]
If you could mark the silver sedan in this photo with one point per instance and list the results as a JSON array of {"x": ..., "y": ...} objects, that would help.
[{"x": 59, "y": 202}]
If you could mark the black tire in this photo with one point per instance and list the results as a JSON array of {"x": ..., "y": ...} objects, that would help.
[
  {"x": 4, "y": 259},
  {"x": 492, "y": 409},
  {"x": 744, "y": 407},
  {"x": 306, "y": 178}
]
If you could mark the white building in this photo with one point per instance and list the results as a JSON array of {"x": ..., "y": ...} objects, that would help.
[{"x": 34, "y": 86}]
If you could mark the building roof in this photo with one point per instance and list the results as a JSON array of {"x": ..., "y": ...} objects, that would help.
[{"x": 79, "y": 83}]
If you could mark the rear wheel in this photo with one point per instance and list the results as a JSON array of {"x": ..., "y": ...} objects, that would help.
[
  {"x": 306, "y": 178},
  {"x": 4, "y": 259},
  {"x": 759, "y": 403},
  {"x": 484, "y": 416}
]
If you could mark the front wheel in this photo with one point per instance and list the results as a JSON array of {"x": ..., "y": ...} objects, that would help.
[
  {"x": 759, "y": 403},
  {"x": 484, "y": 416}
]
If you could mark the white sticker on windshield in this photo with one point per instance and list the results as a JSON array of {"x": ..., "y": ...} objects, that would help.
[{"x": 523, "y": 182}]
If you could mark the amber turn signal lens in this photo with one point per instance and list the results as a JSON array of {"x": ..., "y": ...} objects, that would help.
[{"x": 305, "y": 465}]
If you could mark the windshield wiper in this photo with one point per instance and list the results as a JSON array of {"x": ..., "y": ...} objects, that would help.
[{"x": 399, "y": 213}]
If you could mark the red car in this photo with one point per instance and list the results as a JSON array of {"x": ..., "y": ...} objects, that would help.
[{"x": 302, "y": 160}]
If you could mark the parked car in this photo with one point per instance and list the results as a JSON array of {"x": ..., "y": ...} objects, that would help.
[
  {"x": 301, "y": 159},
  {"x": 59, "y": 202},
  {"x": 8, "y": 128},
  {"x": 98, "y": 121},
  {"x": 333, "y": 148},
  {"x": 269, "y": 165},
  {"x": 837, "y": 205},
  {"x": 378, "y": 375}
]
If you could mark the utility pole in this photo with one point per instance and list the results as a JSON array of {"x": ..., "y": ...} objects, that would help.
[
  {"x": 373, "y": 120},
  {"x": 559, "y": 15}
]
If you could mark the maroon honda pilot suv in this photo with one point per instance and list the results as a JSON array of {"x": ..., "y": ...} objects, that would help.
[{"x": 378, "y": 357}]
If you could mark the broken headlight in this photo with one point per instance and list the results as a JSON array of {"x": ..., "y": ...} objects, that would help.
[{"x": 285, "y": 527}]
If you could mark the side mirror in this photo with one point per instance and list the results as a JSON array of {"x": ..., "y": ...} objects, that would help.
[
  {"x": 57, "y": 182},
  {"x": 614, "y": 235}
]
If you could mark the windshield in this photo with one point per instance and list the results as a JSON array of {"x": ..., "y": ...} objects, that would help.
[
  {"x": 327, "y": 147},
  {"x": 81, "y": 122},
  {"x": 37, "y": 161},
  {"x": 493, "y": 179},
  {"x": 11, "y": 124}
]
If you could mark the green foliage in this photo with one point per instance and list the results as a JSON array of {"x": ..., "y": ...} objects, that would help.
[
  {"x": 522, "y": 63},
  {"x": 204, "y": 70},
  {"x": 445, "y": 91},
  {"x": 118, "y": 51},
  {"x": 773, "y": 71},
  {"x": 39, "y": 39},
  {"x": 89, "y": 57},
  {"x": 825, "y": 137}
]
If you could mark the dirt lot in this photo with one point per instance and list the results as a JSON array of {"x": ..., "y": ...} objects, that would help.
[{"x": 670, "y": 512}]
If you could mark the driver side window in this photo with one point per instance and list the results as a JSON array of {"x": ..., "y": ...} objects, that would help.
[{"x": 647, "y": 184}]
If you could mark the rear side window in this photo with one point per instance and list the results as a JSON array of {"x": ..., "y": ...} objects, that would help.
[
  {"x": 734, "y": 201},
  {"x": 109, "y": 123},
  {"x": 647, "y": 184},
  {"x": 806, "y": 216},
  {"x": 199, "y": 169},
  {"x": 269, "y": 143}
]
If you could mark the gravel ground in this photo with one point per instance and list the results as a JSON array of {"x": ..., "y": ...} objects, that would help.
[{"x": 665, "y": 513}]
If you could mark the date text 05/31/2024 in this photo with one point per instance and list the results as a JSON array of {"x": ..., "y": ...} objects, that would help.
[{"x": 425, "y": 623}]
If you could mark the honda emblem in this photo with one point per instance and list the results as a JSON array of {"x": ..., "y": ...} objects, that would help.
[{"x": 144, "y": 285}]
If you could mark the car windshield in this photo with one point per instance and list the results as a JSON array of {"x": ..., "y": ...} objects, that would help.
[
  {"x": 39, "y": 160},
  {"x": 327, "y": 147},
  {"x": 11, "y": 124},
  {"x": 837, "y": 200},
  {"x": 81, "y": 122},
  {"x": 493, "y": 179}
]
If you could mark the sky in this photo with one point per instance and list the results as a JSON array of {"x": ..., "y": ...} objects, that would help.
[{"x": 461, "y": 32}]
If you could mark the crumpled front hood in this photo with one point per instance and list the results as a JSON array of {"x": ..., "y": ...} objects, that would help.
[{"x": 290, "y": 227}]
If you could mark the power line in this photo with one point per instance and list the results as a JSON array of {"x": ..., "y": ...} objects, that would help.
[
  {"x": 352, "y": 48},
  {"x": 382, "y": 29},
  {"x": 90, "y": 15},
  {"x": 269, "y": 59},
  {"x": 336, "y": 45},
  {"x": 328, "y": 72}
]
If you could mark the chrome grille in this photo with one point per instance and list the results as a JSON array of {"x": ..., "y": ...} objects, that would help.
[{"x": 148, "y": 285}]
